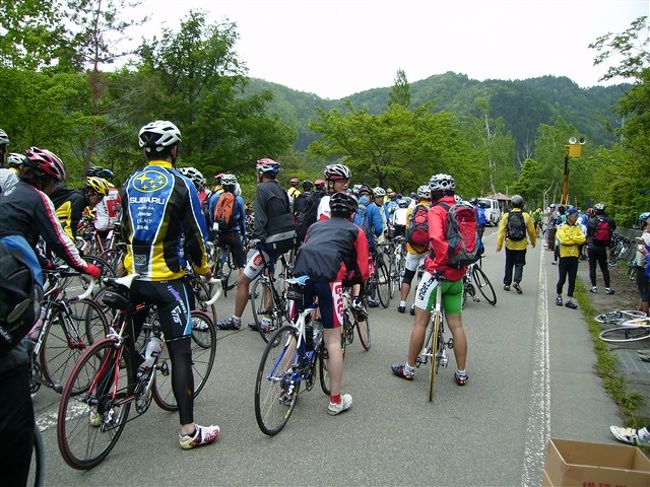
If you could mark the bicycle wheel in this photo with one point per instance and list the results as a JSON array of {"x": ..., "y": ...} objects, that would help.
[
  {"x": 91, "y": 421},
  {"x": 322, "y": 370},
  {"x": 435, "y": 338},
  {"x": 383, "y": 285},
  {"x": 363, "y": 328},
  {"x": 265, "y": 313},
  {"x": 202, "y": 293},
  {"x": 277, "y": 384},
  {"x": 37, "y": 466},
  {"x": 115, "y": 258},
  {"x": 484, "y": 285},
  {"x": 93, "y": 318},
  {"x": 63, "y": 344},
  {"x": 625, "y": 334},
  {"x": 204, "y": 347}
]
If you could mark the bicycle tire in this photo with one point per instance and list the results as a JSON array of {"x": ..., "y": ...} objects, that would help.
[
  {"x": 202, "y": 294},
  {"x": 619, "y": 316},
  {"x": 363, "y": 329},
  {"x": 95, "y": 322},
  {"x": 261, "y": 310},
  {"x": 434, "y": 350},
  {"x": 37, "y": 467},
  {"x": 204, "y": 347},
  {"x": 57, "y": 356},
  {"x": 383, "y": 285},
  {"x": 484, "y": 285},
  {"x": 76, "y": 409},
  {"x": 625, "y": 334},
  {"x": 322, "y": 370},
  {"x": 271, "y": 412}
]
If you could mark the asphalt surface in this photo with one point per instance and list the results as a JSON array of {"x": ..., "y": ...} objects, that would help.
[{"x": 531, "y": 377}]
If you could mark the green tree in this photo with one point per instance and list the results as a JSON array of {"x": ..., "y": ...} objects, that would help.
[{"x": 400, "y": 93}]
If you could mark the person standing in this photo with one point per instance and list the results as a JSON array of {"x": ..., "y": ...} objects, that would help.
[
  {"x": 599, "y": 235},
  {"x": 438, "y": 273},
  {"x": 570, "y": 238},
  {"x": 513, "y": 228},
  {"x": 641, "y": 261}
]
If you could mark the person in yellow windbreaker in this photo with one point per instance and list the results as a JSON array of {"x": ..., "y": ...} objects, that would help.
[
  {"x": 570, "y": 237},
  {"x": 513, "y": 228}
]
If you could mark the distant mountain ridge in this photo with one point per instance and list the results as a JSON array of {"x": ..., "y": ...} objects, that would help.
[{"x": 523, "y": 104}]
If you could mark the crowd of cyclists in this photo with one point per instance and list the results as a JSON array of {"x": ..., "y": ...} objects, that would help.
[{"x": 169, "y": 218}]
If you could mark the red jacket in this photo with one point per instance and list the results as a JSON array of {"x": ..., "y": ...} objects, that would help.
[{"x": 438, "y": 244}]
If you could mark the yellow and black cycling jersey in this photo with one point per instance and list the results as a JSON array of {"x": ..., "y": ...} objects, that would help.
[
  {"x": 70, "y": 205},
  {"x": 162, "y": 224}
]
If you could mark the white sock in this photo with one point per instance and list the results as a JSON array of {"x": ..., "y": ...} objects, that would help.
[
  {"x": 461, "y": 372},
  {"x": 643, "y": 434},
  {"x": 402, "y": 303},
  {"x": 236, "y": 319},
  {"x": 409, "y": 369}
]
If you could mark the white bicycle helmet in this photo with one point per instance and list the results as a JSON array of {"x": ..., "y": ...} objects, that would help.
[
  {"x": 458, "y": 199},
  {"x": 267, "y": 165},
  {"x": 424, "y": 191},
  {"x": 442, "y": 182},
  {"x": 336, "y": 172},
  {"x": 228, "y": 180},
  {"x": 4, "y": 138},
  {"x": 599, "y": 207},
  {"x": 158, "y": 135},
  {"x": 15, "y": 160},
  {"x": 194, "y": 175},
  {"x": 379, "y": 192}
]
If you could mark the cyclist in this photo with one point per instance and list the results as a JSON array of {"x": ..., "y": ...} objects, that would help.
[
  {"x": 415, "y": 254},
  {"x": 319, "y": 185},
  {"x": 293, "y": 190},
  {"x": 217, "y": 182},
  {"x": 233, "y": 231},
  {"x": 199, "y": 182},
  {"x": 513, "y": 228},
  {"x": 641, "y": 261},
  {"x": 160, "y": 207},
  {"x": 108, "y": 209},
  {"x": 302, "y": 200},
  {"x": 369, "y": 218},
  {"x": 337, "y": 177},
  {"x": 398, "y": 218},
  {"x": 334, "y": 254},
  {"x": 70, "y": 203},
  {"x": 8, "y": 177},
  {"x": 272, "y": 215},
  {"x": 380, "y": 196},
  {"x": 480, "y": 216},
  {"x": 599, "y": 234},
  {"x": 442, "y": 188},
  {"x": 570, "y": 237}
]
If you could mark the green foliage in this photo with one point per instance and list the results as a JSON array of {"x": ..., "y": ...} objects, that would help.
[
  {"x": 631, "y": 45},
  {"x": 400, "y": 93},
  {"x": 398, "y": 148}
]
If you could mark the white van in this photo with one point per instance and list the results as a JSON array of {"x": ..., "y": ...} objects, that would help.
[{"x": 492, "y": 210}]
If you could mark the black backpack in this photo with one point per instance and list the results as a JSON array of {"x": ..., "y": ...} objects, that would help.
[
  {"x": 308, "y": 216},
  {"x": 516, "y": 226}
]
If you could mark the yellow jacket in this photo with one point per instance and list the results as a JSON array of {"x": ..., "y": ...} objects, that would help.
[
  {"x": 516, "y": 244},
  {"x": 570, "y": 238}
]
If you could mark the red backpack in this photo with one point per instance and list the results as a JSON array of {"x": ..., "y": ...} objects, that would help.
[
  {"x": 417, "y": 232},
  {"x": 603, "y": 232},
  {"x": 461, "y": 235}
]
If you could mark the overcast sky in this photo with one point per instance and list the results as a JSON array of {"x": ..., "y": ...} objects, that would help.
[{"x": 335, "y": 48}]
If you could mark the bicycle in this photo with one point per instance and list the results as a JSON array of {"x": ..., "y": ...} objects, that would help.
[
  {"x": 351, "y": 321},
  {"x": 617, "y": 317},
  {"x": 632, "y": 330},
  {"x": 435, "y": 347},
  {"x": 59, "y": 340},
  {"x": 223, "y": 266},
  {"x": 268, "y": 298},
  {"x": 378, "y": 282},
  {"x": 288, "y": 361},
  {"x": 396, "y": 263},
  {"x": 474, "y": 279},
  {"x": 619, "y": 250},
  {"x": 104, "y": 383},
  {"x": 37, "y": 468}
]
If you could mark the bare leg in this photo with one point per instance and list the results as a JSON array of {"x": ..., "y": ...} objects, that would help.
[
  {"x": 332, "y": 338},
  {"x": 455, "y": 325},
  {"x": 416, "y": 341}
]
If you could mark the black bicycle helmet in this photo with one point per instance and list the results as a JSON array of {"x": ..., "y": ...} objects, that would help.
[{"x": 343, "y": 203}]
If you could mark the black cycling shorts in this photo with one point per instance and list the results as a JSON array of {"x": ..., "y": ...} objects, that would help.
[
  {"x": 172, "y": 301},
  {"x": 232, "y": 240}
]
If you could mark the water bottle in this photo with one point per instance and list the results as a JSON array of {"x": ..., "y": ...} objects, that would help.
[
  {"x": 318, "y": 333},
  {"x": 153, "y": 349}
]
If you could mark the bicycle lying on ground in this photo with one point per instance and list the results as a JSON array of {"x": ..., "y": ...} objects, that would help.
[
  {"x": 105, "y": 382},
  {"x": 290, "y": 359},
  {"x": 631, "y": 330}
]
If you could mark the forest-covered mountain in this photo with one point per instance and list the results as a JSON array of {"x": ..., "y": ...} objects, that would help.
[{"x": 523, "y": 104}]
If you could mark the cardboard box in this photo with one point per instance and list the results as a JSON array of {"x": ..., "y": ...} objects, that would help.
[{"x": 584, "y": 464}]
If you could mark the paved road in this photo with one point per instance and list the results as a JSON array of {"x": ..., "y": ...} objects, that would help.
[{"x": 531, "y": 376}]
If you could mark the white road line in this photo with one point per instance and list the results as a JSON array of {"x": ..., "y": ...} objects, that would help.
[{"x": 538, "y": 427}]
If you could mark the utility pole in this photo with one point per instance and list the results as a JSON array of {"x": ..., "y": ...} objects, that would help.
[{"x": 572, "y": 149}]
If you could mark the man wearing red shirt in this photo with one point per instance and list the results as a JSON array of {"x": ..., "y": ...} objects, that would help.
[{"x": 438, "y": 273}]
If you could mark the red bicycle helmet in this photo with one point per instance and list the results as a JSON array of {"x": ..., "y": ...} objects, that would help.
[{"x": 46, "y": 161}]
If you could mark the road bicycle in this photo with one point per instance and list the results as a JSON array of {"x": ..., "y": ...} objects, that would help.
[
  {"x": 435, "y": 346},
  {"x": 632, "y": 330},
  {"x": 354, "y": 319},
  {"x": 268, "y": 298},
  {"x": 66, "y": 327},
  {"x": 222, "y": 266},
  {"x": 617, "y": 317},
  {"x": 292, "y": 357},
  {"x": 396, "y": 263},
  {"x": 106, "y": 381},
  {"x": 378, "y": 284},
  {"x": 475, "y": 279},
  {"x": 619, "y": 250}
]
